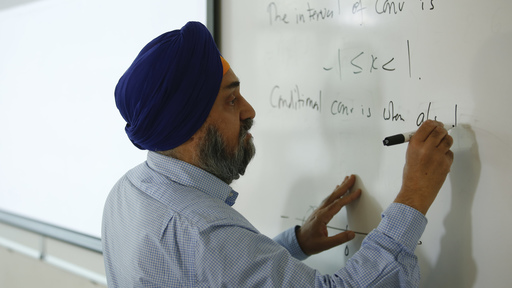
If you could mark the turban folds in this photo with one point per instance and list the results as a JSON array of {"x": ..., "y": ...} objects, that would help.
[{"x": 167, "y": 93}]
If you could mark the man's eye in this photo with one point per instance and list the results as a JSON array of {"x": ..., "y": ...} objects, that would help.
[{"x": 232, "y": 102}]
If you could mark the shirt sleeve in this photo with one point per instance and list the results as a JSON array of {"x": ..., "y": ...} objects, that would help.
[
  {"x": 288, "y": 239},
  {"x": 248, "y": 259},
  {"x": 386, "y": 257}
]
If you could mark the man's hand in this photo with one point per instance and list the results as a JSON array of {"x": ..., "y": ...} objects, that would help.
[
  {"x": 428, "y": 161},
  {"x": 312, "y": 236}
]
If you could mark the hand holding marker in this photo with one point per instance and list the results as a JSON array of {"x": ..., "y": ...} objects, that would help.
[{"x": 405, "y": 137}]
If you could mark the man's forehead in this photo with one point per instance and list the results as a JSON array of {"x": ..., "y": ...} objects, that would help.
[{"x": 230, "y": 80}]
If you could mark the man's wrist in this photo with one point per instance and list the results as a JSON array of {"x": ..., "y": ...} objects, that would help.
[{"x": 413, "y": 200}]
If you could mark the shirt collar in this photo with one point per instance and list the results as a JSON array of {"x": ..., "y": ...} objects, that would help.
[{"x": 191, "y": 176}]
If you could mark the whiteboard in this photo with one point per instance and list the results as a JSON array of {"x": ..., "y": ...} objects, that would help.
[
  {"x": 63, "y": 144},
  {"x": 330, "y": 79}
]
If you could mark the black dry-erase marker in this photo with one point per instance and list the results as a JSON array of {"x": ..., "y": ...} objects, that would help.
[{"x": 405, "y": 137}]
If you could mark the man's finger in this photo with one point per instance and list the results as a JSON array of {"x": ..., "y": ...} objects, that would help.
[
  {"x": 446, "y": 143},
  {"x": 336, "y": 206},
  {"x": 436, "y": 136},
  {"x": 425, "y": 130},
  {"x": 340, "y": 190}
]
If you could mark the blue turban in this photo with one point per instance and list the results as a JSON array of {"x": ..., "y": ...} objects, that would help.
[{"x": 167, "y": 93}]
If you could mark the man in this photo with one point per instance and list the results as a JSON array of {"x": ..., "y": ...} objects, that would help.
[{"x": 169, "y": 223}]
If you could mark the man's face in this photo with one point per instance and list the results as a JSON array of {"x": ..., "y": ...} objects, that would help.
[{"x": 226, "y": 146}]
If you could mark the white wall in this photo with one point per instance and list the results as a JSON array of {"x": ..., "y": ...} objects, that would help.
[
  {"x": 63, "y": 144},
  {"x": 63, "y": 265},
  {"x": 20, "y": 271}
]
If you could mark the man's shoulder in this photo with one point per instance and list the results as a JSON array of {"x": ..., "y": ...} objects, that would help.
[
  {"x": 186, "y": 202},
  {"x": 204, "y": 211}
]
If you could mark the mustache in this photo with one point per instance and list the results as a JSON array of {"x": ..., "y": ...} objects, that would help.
[{"x": 245, "y": 126}]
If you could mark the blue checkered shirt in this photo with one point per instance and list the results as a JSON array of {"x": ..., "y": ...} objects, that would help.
[{"x": 170, "y": 224}]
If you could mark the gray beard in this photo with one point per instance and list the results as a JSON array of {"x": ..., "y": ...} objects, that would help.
[{"x": 215, "y": 158}]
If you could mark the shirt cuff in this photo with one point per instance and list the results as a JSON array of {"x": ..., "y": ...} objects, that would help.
[
  {"x": 288, "y": 239},
  {"x": 404, "y": 224}
]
